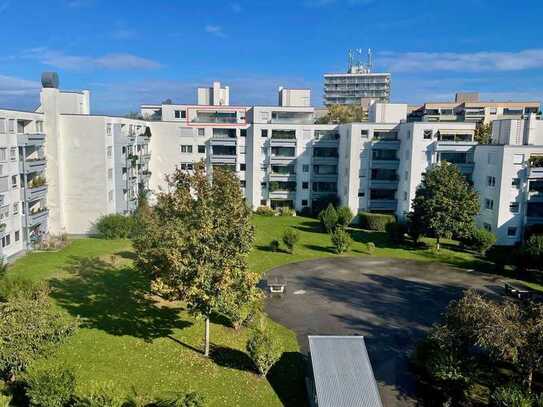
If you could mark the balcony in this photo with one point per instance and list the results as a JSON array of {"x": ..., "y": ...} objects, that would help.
[
  {"x": 38, "y": 217},
  {"x": 383, "y": 204},
  {"x": 33, "y": 194},
  {"x": 30, "y": 166},
  {"x": 31, "y": 139}
]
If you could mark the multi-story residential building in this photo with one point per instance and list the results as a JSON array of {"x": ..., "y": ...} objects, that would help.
[
  {"x": 357, "y": 86},
  {"x": 509, "y": 178},
  {"x": 468, "y": 108}
]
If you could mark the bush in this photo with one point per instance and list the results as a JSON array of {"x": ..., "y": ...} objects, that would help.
[
  {"x": 3, "y": 267},
  {"x": 274, "y": 245},
  {"x": 12, "y": 288},
  {"x": 290, "y": 238},
  {"x": 532, "y": 252},
  {"x": 480, "y": 239},
  {"x": 192, "y": 399},
  {"x": 265, "y": 211},
  {"x": 5, "y": 401},
  {"x": 344, "y": 216},
  {"x": 375, "y": 221},
  {"x": 510, "y": 396},
  {"x": 263, "y": 349},
  {"x": 106, "y": 395},
  {"x": 329, "y": 218},
  {"x": 286, "y": 211},
  {"x": 49, "y": 387},
  {"x": 114, "y": 226},
  {"x": 370, "y": 247},
  {"x": 341, "y": 239},
  {"x": 396, "y": 232}
]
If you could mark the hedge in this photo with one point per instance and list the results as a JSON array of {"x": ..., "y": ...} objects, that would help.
[{"x": 375, "y": 221}]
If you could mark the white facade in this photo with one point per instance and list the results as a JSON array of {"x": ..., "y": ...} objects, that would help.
[{"x": 355, "y": 88}]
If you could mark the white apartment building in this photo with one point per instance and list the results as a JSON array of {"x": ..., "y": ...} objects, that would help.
[{"x": 61, "y": 167}]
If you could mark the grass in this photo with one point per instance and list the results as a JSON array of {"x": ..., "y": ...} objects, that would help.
[{"x": 148, "y": 347}]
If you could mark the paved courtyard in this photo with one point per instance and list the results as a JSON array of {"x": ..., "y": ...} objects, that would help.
[{"x": 391, "y": 302}]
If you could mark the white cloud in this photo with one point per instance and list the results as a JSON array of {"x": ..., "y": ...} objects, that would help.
[
  {"x": 117, "y": 61},
  {"x": 483, "y": 61},
  {"x": 215, "y": 30},
  {"x": 17, "y": 93}
]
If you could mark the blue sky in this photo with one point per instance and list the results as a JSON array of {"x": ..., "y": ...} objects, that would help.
[{"x": 132, "y": 52}]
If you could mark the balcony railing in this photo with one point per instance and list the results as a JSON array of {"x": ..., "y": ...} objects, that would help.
[
  {"x": 38, "y": 217},
  {"x": 34, "y": 165},
  {"x": 31, "y": 139}
]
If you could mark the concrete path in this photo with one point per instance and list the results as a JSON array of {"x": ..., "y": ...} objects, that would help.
[{"x": 391, "y": 302}]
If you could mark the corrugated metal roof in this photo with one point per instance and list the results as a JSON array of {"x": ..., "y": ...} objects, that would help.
[{"x": 342, "y": 372}]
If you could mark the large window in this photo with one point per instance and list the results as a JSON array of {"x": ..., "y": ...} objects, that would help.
[
  {"x": 283, "y": 134},
  {"x": 536, "y": 186},
  {"x": 535, "y": 210},
  {"x": 325, "y": 152},
  {"x": 380, "y": 154},
  {"x": 224, "y": 150},
  {"x": 382, "y": 174},
  {"x": 324, "y": 187},
  {"x": 282, "y": 186},
  {"x": 325, "y": 169},
  {"x": 283, "y": 151},
  {"x": 382, "y": 194},
  {"x": 385, "y": 135},
  {"x": 224, "y": 133},
  {"x": 283, "y": 169},
  {"x": 206, "y": 116},
  {"x": 454, "y": 157}
]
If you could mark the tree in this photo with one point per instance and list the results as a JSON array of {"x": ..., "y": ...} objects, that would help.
[
  {"x": 341, "y": 240},
  {"x": 197, "y": 241},
  {"x": 344, "y": 216},
  {"x": 483, "y": 133},
  {"x": 290, "y": 238},
  {"x": 344, "y": 114},
  {"x": 444, "y": 204},
  {"x": 30, "y": 327},
  {"x": 532, "y": 252},
  {"x": 481, "y": 240},
  {"x": 329, "y": 218},
  {"x": 263, "y": 349}
]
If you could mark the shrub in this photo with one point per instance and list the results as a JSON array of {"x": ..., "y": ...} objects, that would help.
[
  {"x": 265, "y": 211},
  {"x": 192, "y": 399},
  {"x": 344, "y": 216},
  {"x": 3, "y": 267},
  {"x": 286, "y": 211},
  {"x": 480, "y": 239},
  {"x": 290, "y": 238},
  {"x": 114, "y": 226},
  {"x": 396, "y": 232},
  {"x": 263, "y": 349},
  {"x": 274, "y": 245},
  {"x": 532, "y": 251},
  {"x": 329, "y": 218},
  {"x": 12, "y": 288},
  {"x": 370, "y": 247},
  {"x": 510, "y": 396},
  {"x": 49, "y": 387},
  {"x": 106, "y": 395},
  {"x": 341, "y": 239},
  {"x": 5, "y": 401},
  {"x": 375, "y": 221}
]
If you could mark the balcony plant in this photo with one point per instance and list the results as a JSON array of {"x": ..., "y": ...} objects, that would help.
[
  {"x": 536, "y": 161},
  {"x": 36, "y": 182}
]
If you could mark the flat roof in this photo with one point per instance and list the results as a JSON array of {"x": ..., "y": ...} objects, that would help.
[{"x": 342, "y": 372}]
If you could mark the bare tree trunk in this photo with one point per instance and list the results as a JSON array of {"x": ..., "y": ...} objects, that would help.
[
  {"x": 206, "y": 350},
  {"x": 437, "y": 243}
]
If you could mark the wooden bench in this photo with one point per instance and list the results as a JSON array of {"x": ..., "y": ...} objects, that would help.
[
  {"x": 517, "y": 290},
  {"x": 277, "y": 286}
]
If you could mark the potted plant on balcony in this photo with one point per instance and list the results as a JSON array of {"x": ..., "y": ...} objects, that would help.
[{"x": 536, "y": 161}]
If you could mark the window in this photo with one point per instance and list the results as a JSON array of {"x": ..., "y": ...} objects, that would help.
[
  {"x": 242, "y": 184},
  {"x": 39, "y": 126},
  {"x": 264, "y": 132},
  {"x": 201, "y": 148},
  {"x": 305, "y": 185},
  {"x": 242, "y": 167},
  {"x": 487, "y": 226},
  {"x": 243, "y": 132},
  {"x": 264, "y": 116},
  {"x": 263, "y": 202},
  {"x": 180, "y": 114},
  {"x": 511, "y": 231},
  {"x": 263, "y": 185},
  {"x": 108, "y": 129},
  {"x": 109, "y": 151},
  {"x": 305, "y": 168},
  {"x": 16, "y": 208},
  {"x": 428, "y": 134},
  {"x": 361, "y": 194},
  {"x": 17, "y": 235},
  {"x": 110, "y": 173},
  {"x": 201, "y": 132},
  {"x": 186, "y": 166},
  {"x": 6, "y": 240},
  {"x": 405, "y": 196},
  {"x": 518, "y": 158},
  {"x": 364, "y": 133},
  {"x": 11, "y": 125},
  {"x": 14, "y": 181},
  {"x": 304, "y": 202},
  {"x": 185, "y": 148},
  {"x": 2, "y": 125},
  {"x": 13, "y": 153},
  {"x": 515, "y": 182},
  {"x": 514, "y": 207},
  {"x": 110, "y": 196},
  {"x": 3, "y": 155},
  {"x": 489, "y": 204},
  {"x": 491, "y": 181}
]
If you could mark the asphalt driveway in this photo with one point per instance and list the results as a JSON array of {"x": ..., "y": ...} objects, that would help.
[{"x": 391, "y": 302}]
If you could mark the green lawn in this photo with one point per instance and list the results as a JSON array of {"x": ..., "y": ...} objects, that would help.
[{"x": 146, "y": 347}]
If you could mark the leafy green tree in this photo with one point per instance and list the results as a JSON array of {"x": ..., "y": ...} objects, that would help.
[
  {"x": 445, "y": 204},
  {"x": 344, "y": 114},
  {"x": 344, "y": 216},
  {"x": 483, "y": 133},
  {"x": 329, "y": 218},
  {"x": 197, "y": 242},
  {"x": 30, "y": 327},
  {"x": 264, "y": 349},
  {"x": 290, "y": 238},
  {"x": 532, "y": 252},
  {"x": 481, "y": 240},
  {"x": 341, "y": 239}
]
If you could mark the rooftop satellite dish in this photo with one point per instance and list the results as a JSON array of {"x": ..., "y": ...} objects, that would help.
[{"x": 49, "y": 80}]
